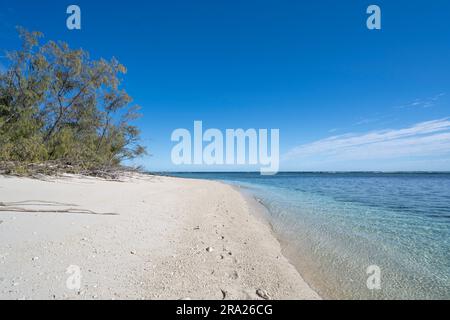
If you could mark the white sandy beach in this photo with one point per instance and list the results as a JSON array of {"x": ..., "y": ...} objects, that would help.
[{"x": 169, "y": 238}]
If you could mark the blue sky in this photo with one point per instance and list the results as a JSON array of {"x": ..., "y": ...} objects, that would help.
[{"x": 343, "y": 97}]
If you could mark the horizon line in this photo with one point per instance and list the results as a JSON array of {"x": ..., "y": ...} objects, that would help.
[{"x": 318, "y": 171}]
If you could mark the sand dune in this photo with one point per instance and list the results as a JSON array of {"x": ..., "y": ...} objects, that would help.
[{"x": 147, "y": 237}]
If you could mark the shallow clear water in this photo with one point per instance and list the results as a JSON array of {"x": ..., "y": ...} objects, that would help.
[{"x": 334, "y": 225}]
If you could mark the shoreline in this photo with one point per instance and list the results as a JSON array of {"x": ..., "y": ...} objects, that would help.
[
  {"x": 170, "y": 238},
  {"x": 262, "y": 213}
]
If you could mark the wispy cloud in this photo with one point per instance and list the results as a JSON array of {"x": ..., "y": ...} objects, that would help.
[
  {"x": 429, "y": 138},
  {"x": 423, "y": 103},
  {"x": 366, "y": 121}
]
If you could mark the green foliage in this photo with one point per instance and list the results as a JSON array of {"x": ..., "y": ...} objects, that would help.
[{"x": 58, "y": 104}]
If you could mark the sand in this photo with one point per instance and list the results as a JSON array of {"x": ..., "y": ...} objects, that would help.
[{"x": 146, "y": 237}]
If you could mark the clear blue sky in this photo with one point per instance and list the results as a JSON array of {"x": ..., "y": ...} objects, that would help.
[{"x": 343, "y": 97}]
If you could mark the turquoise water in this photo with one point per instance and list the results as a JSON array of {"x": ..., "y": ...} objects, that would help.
[{"x": 334, "y": 225}]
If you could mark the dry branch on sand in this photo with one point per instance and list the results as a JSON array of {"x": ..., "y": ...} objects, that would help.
[{"x": 11, "y": 207}]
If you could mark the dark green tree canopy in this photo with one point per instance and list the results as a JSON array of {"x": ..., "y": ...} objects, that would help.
[{"x": 58, "y": 104}]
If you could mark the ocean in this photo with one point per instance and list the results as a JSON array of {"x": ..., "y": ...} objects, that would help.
[{"x": 334, "y": 226}]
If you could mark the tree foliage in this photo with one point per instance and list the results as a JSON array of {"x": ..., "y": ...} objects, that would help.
[{"x": 58, "y": 104}]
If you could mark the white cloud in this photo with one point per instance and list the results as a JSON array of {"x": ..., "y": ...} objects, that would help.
[
  {"x": 366, "y": 121},
  {"x": 431, "y": 138},
  {"x": 423, "y": 103}
]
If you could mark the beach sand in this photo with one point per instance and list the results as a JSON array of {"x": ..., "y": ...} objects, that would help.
[{"x": 146, "y": 237}]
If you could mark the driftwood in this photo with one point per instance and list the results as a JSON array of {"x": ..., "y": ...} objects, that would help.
[
  {"x": 59, "y": 167},
  {"x": 11, "y": 207}
]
